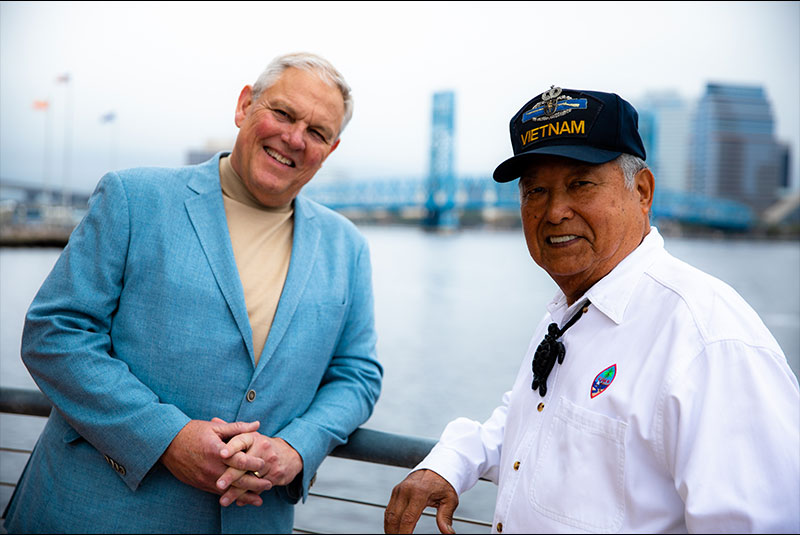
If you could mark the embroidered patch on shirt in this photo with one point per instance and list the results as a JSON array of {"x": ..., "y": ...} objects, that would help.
[{"x": 603, "y": 380}]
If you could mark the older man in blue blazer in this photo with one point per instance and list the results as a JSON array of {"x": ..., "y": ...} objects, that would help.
[{"x": 207, "y": 335}]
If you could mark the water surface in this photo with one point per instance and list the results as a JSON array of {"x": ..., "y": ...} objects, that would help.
[{"x": 454, "y": 315}]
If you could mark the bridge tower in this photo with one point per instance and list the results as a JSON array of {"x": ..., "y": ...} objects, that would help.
[{"x": 441, "y": 182}]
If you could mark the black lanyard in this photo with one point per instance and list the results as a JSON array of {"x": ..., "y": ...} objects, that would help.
[{"x": 551, "y": 349}]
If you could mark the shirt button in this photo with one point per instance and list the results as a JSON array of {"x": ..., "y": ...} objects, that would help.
[
  {"x": 251, "y": 395},
  {"x": 516, "y": 465},
  {"x": 540, "y": 408},
  {"x": 499, "y": 527}
]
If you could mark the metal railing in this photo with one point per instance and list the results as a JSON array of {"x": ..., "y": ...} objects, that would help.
[{"x": 366, "y": 445}]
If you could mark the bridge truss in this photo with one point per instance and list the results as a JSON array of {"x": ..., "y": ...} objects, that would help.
[{"x": 481, "y": 193}]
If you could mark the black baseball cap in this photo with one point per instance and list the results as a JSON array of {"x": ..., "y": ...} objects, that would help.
[{"x": 589, "y": 126}]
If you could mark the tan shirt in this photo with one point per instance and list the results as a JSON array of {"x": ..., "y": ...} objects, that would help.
[{"x": 262, "y": 246}]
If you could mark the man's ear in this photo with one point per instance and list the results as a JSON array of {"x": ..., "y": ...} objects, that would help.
[
  {"x": 644, "y": 181},
  {"x": 243, "y": 105},
  {"x": 333, "y": 148}
]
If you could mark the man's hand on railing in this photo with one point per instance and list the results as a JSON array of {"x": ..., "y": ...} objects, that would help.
[{"x": 421, "y": 489}]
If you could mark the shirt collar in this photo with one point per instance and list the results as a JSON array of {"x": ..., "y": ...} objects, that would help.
[
  {"x": 233, "y": 187},
  {"x": 611, "y": 294}
]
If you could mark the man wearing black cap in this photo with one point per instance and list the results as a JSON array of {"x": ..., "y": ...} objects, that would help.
[{"x": 652, "y": 397}]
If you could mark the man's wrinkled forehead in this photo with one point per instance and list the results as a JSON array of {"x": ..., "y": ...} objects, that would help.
[{"x": 536, "y": 168}]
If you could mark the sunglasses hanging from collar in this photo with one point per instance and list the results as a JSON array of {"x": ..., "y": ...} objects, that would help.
[{"x": 551, "y": 349}]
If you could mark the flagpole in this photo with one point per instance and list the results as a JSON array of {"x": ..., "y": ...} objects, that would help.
[
  {"x": 114, "y": 141},
  {"x": 44, "y": 105},
  {"x": 68, "y": 116},
  {"x": 114, "y": 144},
  {"x": 113, "y": 137},
  {"x": 47, "y": 142}
]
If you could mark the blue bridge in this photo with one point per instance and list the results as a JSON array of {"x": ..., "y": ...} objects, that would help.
[
  {"x": 453, "y": 197},
  {"x": 442, "y": 197},
  {"x": 467, "y": 194}
]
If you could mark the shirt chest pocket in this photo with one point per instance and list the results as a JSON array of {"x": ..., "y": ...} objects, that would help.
[{"x": 578, "y": 478}]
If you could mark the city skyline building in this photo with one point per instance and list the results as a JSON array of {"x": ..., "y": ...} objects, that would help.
[
  {"x": 733, "y": 152},
  {"x": 664, "y": 124}
]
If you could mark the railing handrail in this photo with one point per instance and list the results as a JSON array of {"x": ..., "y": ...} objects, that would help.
[
  {"x": 364, "y": 444},
  {"x": 24, "y": 401}
]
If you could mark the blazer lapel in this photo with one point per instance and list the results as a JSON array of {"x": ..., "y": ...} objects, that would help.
[
  {"x": 207, "y": 214},
  {"x": 304, "y": 247}
]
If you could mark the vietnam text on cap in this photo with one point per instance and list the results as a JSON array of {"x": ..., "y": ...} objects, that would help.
[{"x": 589, "y": 126}]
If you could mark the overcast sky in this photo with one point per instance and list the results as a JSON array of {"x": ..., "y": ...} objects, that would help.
[{"x": 172, "y": 72}]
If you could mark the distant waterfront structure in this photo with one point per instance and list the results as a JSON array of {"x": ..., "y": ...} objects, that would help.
[
  {"x": 733, "y": 153},
  {"x": 664, "y": 123},
  {"x": 443, "y": 200},
  {"x": 441, "y": 181},
  {"x": 212, "y": 146}
]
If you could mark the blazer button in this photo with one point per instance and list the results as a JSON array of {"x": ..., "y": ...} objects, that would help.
[
  {"x": 115, "y": 465},
  {"x": 251, "y": 395}
]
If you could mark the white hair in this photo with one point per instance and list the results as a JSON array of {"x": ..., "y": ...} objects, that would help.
[
  {"x": 309, "y": 62},
  {"x": 630, "y": 165}
]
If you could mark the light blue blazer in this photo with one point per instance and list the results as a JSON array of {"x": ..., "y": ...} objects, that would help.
[{"x": 142, "y": 326}]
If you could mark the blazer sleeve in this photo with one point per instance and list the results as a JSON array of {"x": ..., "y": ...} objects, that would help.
[
  {"x": 68, "y": 346},
  {"x": 350, "y": 386}
]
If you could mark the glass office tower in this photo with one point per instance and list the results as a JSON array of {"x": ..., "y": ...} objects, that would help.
[{"x": 733, "y": 152}]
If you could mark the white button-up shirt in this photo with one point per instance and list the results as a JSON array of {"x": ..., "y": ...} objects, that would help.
[{"x": 674, "y": 410}]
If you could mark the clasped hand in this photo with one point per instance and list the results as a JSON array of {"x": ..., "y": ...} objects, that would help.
[{"x": 200, "y": 457}]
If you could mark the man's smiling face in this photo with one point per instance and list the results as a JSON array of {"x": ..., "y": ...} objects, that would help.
[
  {"x": 286, "y": 134},
  {"x": 580, "y": 220}
]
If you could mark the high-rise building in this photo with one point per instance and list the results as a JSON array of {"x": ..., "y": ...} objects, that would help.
[
  {"x": 733, "y": 152},
  {"x": 664, "y": 121}
]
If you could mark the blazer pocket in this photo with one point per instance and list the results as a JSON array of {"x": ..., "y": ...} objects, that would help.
[
  {"x": 71, "y": 436},
  {"x": 320, "y": 325},
  {"x": 328, "y": 318},
  {"x": 583, "y": 458}
]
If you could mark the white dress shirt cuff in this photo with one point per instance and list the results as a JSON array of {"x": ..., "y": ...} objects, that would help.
[{"x": 449, "y": 464}]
